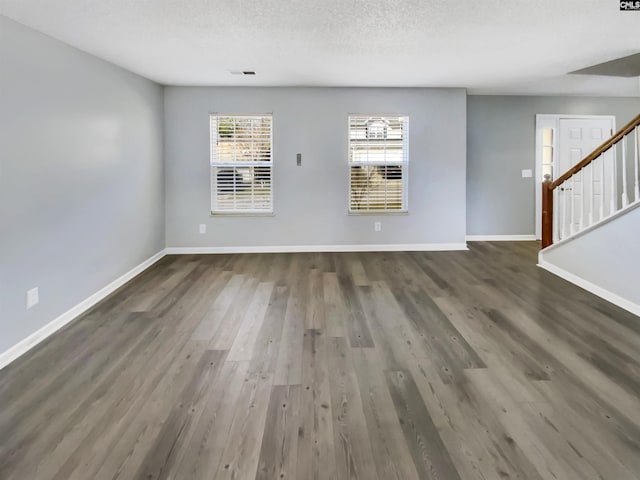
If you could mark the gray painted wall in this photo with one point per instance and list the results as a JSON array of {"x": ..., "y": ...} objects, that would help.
[
  {"x": 501, "y": 143},
  {"x": 311, "y": 201},
  {"x": 607, "y": 256},
  {"x": 81, "y": 176}
]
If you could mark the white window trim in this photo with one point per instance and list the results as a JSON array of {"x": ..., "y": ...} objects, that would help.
[
  {"x": 239, "y": 212},
  {"x": 404, "y": 164}
]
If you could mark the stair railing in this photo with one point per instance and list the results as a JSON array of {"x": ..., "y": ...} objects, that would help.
[{"x": 595, "y": 188}]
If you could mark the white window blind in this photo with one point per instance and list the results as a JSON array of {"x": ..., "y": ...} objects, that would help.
[
  {"x": 378, "y": 163},
  {"x": 241, "y": 164}
]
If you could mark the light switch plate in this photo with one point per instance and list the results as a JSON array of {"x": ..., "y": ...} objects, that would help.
[
  {"x": 203, "y": 228},
  {"x": 528, "y": 173}
]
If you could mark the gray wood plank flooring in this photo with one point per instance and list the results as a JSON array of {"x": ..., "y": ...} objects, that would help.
[{"x": 404, "y": 366}]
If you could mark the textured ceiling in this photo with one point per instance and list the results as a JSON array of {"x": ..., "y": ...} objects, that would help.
[{"x": 488, "y": 46}]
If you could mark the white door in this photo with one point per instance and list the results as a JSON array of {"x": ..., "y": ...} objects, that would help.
[{"x": 577, "y": 138}]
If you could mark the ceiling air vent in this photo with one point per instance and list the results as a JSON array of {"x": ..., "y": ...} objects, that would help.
[
  {"x": 621, "y": 67},
  {"x": 242, "y": 72}
]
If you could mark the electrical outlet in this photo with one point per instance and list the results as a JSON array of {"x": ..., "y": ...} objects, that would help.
[
  {"x": 203, "y": 228},
  {"x": 377, "y": 226},
  {"x": 33, "y": 297}
]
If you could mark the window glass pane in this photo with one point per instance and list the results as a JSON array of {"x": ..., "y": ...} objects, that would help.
[
  {"x": 242, "y": 139},
  {"x": 376, "y": 188}
]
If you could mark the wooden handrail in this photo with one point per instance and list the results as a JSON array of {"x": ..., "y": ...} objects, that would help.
[{"x": 628, "y": 128}]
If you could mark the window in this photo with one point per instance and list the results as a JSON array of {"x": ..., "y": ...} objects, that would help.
[
  {"x": 547, "y": 152},
  {"x": 378, "y": 163},
  {"x": 241, "y": 164}
]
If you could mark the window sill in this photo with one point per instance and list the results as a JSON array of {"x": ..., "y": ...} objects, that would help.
[
  {"x": 242, "y": 214},
  {"x": 370, "y": 213}
]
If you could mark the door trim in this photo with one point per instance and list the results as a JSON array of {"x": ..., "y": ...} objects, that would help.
[{"x": 552, "y": 121}]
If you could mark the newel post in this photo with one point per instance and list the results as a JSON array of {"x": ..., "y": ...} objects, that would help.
[{"x": 547, "y": 212}]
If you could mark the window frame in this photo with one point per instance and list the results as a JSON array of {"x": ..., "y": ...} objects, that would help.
[
  {"x": 213, "y": 166},
  {"x": 404, "y": 164}
]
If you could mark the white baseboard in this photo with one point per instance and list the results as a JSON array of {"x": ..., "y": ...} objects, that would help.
[
  {"x": 50, "y": 328},
  {"x": 590, "y": 287},
  {"x": 409, "y": 247},
  {"x": 501, "y": 238}
]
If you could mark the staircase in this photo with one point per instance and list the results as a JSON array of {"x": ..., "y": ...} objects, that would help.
[{"x": 591, "y": 220}]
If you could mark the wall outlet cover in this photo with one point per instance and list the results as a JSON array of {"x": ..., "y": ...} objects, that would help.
[
  {"x": 528, "y": 173},
  {"x": 33, "y": 297}
]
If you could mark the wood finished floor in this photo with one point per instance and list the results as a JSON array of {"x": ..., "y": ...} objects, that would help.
[{"x": 448, "y": 365}]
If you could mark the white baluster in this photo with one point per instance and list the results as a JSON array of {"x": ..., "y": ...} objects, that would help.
[
  {"x": 556, "y": 215},
  {"x": 582, "y": 199},
  {"x": 614, "y": 177},
  {"x": 637, "y": 162},
  {"x": 572, "y": 227},
  {"x": 625, "y": 195},
  {"x": 592, "y": 195},
  {"x": 601, "y": 186},
  {"x": 563, "y": 188}
]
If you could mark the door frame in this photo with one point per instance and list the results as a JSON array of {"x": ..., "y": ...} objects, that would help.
[{"x": 543, "y": 121}]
